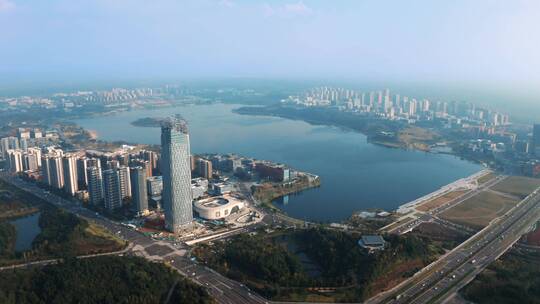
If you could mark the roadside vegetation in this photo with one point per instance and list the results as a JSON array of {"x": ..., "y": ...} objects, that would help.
[
  {"x": 444, "y": 236},
  {"x": 8, "y": 234},
  {"x": 16, "y": 203},
  {"x": 62, "y": 235},
  {"x": 108, "y": 279},
  {"x": 317, "y": 264},
  {"x": 515, "y": 278}
]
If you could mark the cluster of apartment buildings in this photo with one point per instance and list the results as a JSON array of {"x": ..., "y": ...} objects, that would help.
[
  {"x": 395, "y": 106},
  {"x": 104, "y": 179},
  {"x": 174, "y": 180}
]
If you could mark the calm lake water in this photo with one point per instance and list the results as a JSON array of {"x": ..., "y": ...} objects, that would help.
[
  {"x": 355, "y": 174},
  {"x": 27, "y": 229}
]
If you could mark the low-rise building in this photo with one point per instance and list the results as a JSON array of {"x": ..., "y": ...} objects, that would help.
[
  {"x": 372, "y": 242},
  {"x": 220, "y": 207}
]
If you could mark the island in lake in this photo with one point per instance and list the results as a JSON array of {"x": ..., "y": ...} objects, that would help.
[{"x": 152, "y": 122}]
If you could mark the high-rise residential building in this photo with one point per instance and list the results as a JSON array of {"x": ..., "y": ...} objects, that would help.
[
  {"x": 95, "y": 185},
  {"x": 56, "y": 172},
  {"x": 15, "y": 161},
  {"x": 82, "y": 176},
  {"x": 45, "y": 170},
  {"x": 69, "y": 165},
  {"x": 112, "y": 193},
  {"x": 138, "y": 189},
  {"x": 413, "y": 107},
  {"x": 147, "y": 168},
  {"x": 152, "y": 158},
  {"x": 31, "y": 161},
  {"x": 155, "y": 185},
  {"x": 204, "y": 168},
  {"x": 193, "y": 162},
  {"x": 137, "y": 162},
  {"x": 23, "y": 142},
  {"x": 13, "y": 143},
  {"x": 93, "y": 162},
  {"x": 536, "y": 140},
  {"x": 4, "y": 146},
  {"x": 23, "y": 133},
  {"x": 123, "y": 159},
  {"x": 175, "y": 166},
  {"x": 8, "y": 143},
  {"x": 125, "y": 183},
  {"x": 113, "y": 164},
  {"x": 36, "y": 133},
  {"x": 37, "y": 152}
]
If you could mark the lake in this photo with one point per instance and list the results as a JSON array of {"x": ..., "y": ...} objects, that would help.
[
  {"x": 355, "y": 175},
  {"x": 27, "y": 229}
]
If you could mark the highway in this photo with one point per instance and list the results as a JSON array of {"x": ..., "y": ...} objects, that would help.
[
  {"x": 224, "y": 290},
  {"x": 433, "y": 284},
  {"x": 440, "y": 280}
]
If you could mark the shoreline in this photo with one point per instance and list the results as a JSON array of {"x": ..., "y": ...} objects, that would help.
[
  {"x": 382, "y": 143},
  {"x": 461, "y": 183},
  {"x": 267, "y": 193},
  {"x": 372, "y": 138}
]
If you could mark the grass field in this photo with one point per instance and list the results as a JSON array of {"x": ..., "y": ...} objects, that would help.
[
  {"x": 479, "y": 210},
  {"x": 518, "y": 185},
  {"x": 486, "y": 178},
  {"x": 440, "y": 200}
]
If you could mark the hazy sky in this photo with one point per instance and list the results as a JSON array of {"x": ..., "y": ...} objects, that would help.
[{"x": 458, "y": 41}]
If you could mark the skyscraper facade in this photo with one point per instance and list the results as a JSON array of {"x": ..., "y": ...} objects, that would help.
[
  {"x": 82, "y": 176},
  {"x": 176, "y": 169},
  {"x": 69, "y": 165},
  {"x": 45, "y": 170},
  {"x": 111, "y": 189},
  {"x": 95, "y": 185},
  {"x": 125, "y": 184},
  {"x": 138, "y": 189},
  {"x": 204, "y": 168},
  {"x": 56, "y": 172},
  {"x": 15, "y": 161}
]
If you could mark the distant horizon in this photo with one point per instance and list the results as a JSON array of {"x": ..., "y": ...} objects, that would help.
[{"x": 521, "y": 103}]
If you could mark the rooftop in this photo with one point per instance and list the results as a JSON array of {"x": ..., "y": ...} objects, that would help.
[{"x": 371, "y": 241}]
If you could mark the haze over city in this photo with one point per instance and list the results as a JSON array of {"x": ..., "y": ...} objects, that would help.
[{"x": 269, "y": 151}]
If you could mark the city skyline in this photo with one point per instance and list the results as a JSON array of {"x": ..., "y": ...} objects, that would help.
[{"x": 374, "y": 151}]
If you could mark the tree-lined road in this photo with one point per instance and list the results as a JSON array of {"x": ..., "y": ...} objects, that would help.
[{"x": 224, "y": 290}]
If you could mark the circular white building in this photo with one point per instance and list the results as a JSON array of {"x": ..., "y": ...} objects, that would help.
[{"x": 215, "y": 208}]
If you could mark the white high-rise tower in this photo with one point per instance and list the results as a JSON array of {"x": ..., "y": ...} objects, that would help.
[{"x": 175, "y": 166}]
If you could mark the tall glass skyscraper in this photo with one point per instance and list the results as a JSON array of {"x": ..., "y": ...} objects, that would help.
[{"x": 175, "y": 166}]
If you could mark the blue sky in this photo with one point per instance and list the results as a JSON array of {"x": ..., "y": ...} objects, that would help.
[{"x": 459, "y": 41}]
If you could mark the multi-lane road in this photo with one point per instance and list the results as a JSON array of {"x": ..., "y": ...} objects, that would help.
[
  {"x": 224, "y": 290},
  {"x": 454, "y": 270},
  {"x": 433, "y": 284}
]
